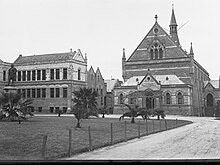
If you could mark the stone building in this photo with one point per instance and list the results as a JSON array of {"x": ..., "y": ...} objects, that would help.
[
  {"x": 111, "y": 84},
  {"x": 160, "y": 74},
  {"x": 96, "y": 82},
  {"x": 4, "y": 67},
  {"x": 50, "y": 79},
  {"x": 211, "y": 96}
]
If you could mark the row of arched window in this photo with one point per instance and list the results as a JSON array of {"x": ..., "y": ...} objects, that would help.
[
  {"x": 180, "y": 98},
  {"x": 156, "y": 54},
  {"x": 168, "y": 99}
]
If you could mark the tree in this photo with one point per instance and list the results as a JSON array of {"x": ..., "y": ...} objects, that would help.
[
  {"x": 158, "y": 113},
  {"x": 85, "y": 104},
  {"x": 13, "y": 107},
  {"x": 145, "y": 113},
  {"x": 105, "y": 110},
  {"x": 133, "y": 112}
]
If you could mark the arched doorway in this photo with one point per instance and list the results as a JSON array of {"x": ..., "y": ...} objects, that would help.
[
  {"x": 149, "y": 102},
  {"x": 209, "y": 110},
  {"x": 209, "y": 100}
]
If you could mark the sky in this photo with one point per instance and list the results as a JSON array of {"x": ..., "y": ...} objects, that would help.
[{"x": 102, "y": 28}]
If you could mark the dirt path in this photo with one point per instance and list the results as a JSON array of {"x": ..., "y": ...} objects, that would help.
[{"x": 200, "y": 140}]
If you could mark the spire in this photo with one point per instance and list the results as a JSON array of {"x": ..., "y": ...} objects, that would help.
[
  {"x": 173, "y": 28},
  {"x": 173, "y": 18},
  {"x": 123, "y": 57},
  {"x": 191, "y": 50},
  {"x": 123, "y": 64}
]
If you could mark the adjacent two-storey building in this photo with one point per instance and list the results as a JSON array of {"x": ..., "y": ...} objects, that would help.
[{"x": 50, "y": 79}]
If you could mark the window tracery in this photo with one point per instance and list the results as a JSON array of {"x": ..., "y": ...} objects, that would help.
[{"x": 156, "y": 51}]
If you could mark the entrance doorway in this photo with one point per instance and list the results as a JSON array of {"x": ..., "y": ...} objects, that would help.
[
  {"x": 150, "y": 103},
  {"x": 209, "y": 99},
  {"x": 209, "y": 110}
]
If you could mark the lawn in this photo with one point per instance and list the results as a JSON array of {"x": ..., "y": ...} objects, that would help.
[{"x": 24, "y": 141}]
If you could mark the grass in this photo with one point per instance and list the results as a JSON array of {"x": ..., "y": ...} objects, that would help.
[{"x": 24, "y": 141}]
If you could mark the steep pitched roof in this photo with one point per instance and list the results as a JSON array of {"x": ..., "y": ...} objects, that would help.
[
  {"x": 172, "y": 49},
  {"x": 98, "y": 72},
  {"x": 91, "y": 70},
  {"x": 45, "y": 58}
]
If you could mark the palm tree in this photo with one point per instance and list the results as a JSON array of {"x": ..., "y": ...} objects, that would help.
[
  {"x": 85, "y": 104},
  {"x": 133, "y": 112},
  {"x": 13, "y": 107},
  {"x": 145, "y": 113},
  {"x": 158, "y": 113}
]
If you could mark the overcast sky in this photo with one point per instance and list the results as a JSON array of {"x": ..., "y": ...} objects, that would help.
[{"x": 102, "y": 28}]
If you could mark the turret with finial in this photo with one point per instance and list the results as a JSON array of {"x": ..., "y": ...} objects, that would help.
[
  {"x": 191, "y": 50},
  {"x": 123, "y": 64}
]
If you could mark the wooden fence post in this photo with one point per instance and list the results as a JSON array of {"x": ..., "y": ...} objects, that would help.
[
  {"x": 176, "y": 122},
  {"x": 160, "y": 124},
  {"x": 165, "y": 123},
  {"x": 90, "y": 139},
  {"x": 44, "y": 146},
  {"x": 139, "y": 129},
  {"x": 153, "y": 124},
  {"x": 70, "y": 142},
  {"x": 146, "y": 128},
  {"x": 125, "y": 131},
  {"x": 111, "y": 133}
]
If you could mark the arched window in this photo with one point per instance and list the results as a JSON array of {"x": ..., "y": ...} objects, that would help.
[
  {"x": 151, "y": 54},
  {"x": 91, "y": 76},
  {"x": 168, "y": 98},
  {"x": 160, "y": 53},
  {"x": 180, "y": 98},
  {"x": 156, "y": 51},
  {"x": 79, "y": 74},
  {"x": 121, "y": 98}
]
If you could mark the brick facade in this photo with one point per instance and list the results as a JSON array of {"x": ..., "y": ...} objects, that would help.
[{"x": 161, "y": 54}]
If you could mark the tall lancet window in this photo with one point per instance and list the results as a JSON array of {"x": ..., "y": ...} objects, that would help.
[
  {"x": 160, "y": 53},
  {"x": 180, "y": 98},
  {"x": 168, "y": 98},
  {"x": 151, "y": 54},
  {"x": 156, "y": 51}
]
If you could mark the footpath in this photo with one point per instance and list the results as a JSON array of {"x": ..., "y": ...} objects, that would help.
[{"x": 199, "y": 140}]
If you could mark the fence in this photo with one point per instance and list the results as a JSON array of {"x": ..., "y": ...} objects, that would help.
[
  {"x": 72, "y": 141},
  {"x": 114, "y": 133}
]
